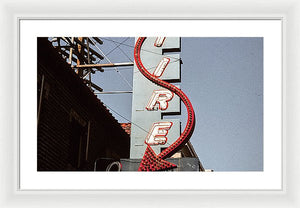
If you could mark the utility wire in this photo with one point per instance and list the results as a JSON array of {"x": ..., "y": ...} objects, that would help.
[
  {"x": 130, "y": 67},
  {"x": 117, "y": 70},
  {"x": 128, "y": 120},
  {"x": 141, "y": 49},
  {"x": 113, "y": 67},
  {"x": 121, "y": 49},
  {"x": 120, "y": 69},
  {"x": 156, "y": 66},
  {"x": 127, "y": 68},
  {"x": 117, "y": 46}
]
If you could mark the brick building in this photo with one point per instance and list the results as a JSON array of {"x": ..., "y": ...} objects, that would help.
[{"x": 75, "y": 129}]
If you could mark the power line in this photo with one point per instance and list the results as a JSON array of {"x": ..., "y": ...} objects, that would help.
[
  {"x": 120, "y": 69},
  {"x": 141, "y": 49},
  {"x": 113, "y": 67},
  {"x": 122, "y": 50},
  {"x": 128, "y": 120},
  {"x": 117, "y": 46},
  {"x": 156, "y": 66},
  {"x": 127, "y": 68}
]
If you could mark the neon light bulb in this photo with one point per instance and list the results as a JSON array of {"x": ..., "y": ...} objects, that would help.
[
  {"x": 159, "y": 41},
  {"x": 159, "y": 70},
  {"x": 158, "y": 132},
  {"x": 160, "y": 97}
]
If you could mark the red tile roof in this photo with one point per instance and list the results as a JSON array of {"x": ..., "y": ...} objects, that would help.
[{"x": 126, "y": 127}]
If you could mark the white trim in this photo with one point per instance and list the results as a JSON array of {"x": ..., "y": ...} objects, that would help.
[{"x": 288, "y": 10}]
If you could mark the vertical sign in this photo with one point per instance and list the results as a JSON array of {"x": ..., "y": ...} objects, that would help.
[{"x": 150, "y": 102}]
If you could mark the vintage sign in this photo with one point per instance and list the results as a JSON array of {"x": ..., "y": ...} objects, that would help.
[
  {"x": 158, "y": 133},
  {"x": 160, "y": 97},
  {"x": 154, "y": 138}
]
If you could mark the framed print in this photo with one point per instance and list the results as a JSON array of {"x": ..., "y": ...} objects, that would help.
[
  {"x": 261, "y": 78},
  {"x": 244, "y": 85}
]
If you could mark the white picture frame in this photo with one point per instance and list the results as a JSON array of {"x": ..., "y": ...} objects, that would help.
[
  {"x": 288, "y": 11},
  {"x": 270, "y": 30}
]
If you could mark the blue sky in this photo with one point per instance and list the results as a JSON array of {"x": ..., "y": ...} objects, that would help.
[{"x": 223, "y": 77}]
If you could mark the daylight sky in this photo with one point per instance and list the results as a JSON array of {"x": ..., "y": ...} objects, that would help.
[{"x": 223, "y": 78}]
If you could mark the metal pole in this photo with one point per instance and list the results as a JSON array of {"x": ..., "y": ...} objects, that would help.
[{"x": 104, "y": 65}]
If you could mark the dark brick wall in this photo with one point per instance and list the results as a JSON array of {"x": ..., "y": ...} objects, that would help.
[{"x": 68, "y": 106}]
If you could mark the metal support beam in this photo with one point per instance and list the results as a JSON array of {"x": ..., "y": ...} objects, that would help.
[
  {"x": 98, "y": 40},
  {"x": 93, "y": 85},
  {"x": 104, "y": 65}
]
